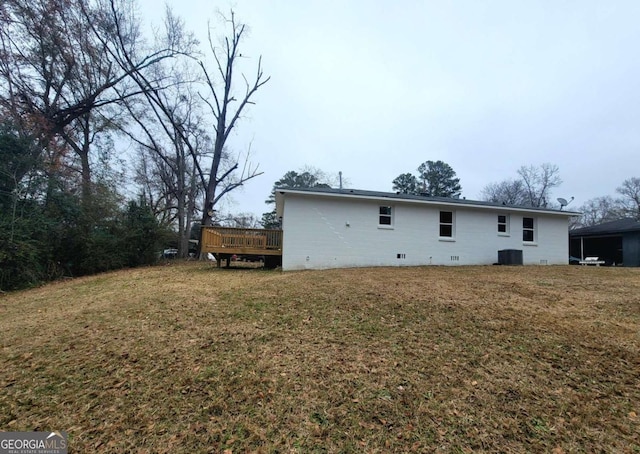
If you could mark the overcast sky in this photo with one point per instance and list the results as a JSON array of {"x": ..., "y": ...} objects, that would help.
[{"x": 374, "y": 88}]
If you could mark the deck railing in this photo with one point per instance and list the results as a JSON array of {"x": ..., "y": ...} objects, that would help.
[{"x": 219, "y": 239}]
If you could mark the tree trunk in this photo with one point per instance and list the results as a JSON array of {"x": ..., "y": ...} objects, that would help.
[
  {"x": 86, "y": 174},
  {"x": 212, "y": 185}
]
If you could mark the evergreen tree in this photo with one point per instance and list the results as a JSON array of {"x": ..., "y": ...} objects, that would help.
[
  {"x": 439, "y": 179},
  {"x": 307, "y": 178},
  {"x": 435, "y": 179},
  {"x": 406, "y": 183}
]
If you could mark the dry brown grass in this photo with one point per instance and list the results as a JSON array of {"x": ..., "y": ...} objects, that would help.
[{"x": 188, "y": 359}]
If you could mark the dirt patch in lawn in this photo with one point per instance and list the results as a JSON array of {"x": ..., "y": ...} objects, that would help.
[{"x": 189, "y": 358}]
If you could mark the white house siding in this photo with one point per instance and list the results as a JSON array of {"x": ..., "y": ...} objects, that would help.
[{"x": 333, "y": 232}]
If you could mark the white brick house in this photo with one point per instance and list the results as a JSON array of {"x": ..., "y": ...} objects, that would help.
[{"x": 335, "y": 228}]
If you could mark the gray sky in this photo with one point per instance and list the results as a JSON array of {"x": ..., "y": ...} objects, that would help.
[{"x": 375, "y": 88}]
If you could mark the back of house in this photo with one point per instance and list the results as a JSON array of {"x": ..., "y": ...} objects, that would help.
[{"x": 335, "y": 228}]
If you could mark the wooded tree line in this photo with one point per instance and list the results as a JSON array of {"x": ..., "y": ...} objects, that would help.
[{"x": 79, "y": 83}]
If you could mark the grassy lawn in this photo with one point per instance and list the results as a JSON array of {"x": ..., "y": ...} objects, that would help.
[{"x": 188, "y": 359}]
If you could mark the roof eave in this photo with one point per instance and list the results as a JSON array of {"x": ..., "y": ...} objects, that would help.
[{"x": 449, "y": 203}]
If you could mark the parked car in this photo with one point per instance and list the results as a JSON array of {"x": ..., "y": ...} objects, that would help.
[{"x": 170, "y": 253}]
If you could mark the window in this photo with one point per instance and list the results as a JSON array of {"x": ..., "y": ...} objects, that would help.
[
  {"x": 446, "y": 224},
  {"x": 503, "y": 223},
  {"x": 385, "y": 216},
  {"x": 528, "y": 229}
]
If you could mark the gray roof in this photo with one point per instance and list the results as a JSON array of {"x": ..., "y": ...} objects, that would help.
[
  {"x": 419, "y": 198},
  {"x": 608, "y": 228}
]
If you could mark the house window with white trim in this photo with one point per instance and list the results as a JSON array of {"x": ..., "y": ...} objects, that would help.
[
  {"x": 528, "y": 230},
  {"x": 386, "y": 216},
  {"x": 446, "y": 224},
  {"x": 503, "y": 224}
]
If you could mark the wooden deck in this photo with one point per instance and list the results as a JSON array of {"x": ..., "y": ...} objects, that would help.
[{"x": 225, "y": 241}]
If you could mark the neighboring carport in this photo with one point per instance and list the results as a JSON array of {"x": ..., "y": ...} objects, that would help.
[{"x": 615, "y": 242}]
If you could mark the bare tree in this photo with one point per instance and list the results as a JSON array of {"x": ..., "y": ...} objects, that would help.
[
  {"x": 607, "y": 208},
  {"x": 598, "y": 210},
  {"x": 166, "y": 126},
  {"x": 243, "y": 220},
  {"x": 533, "y": 188},
  {"x": 630, "y": 201},
  {"x": 226, "y": 107},
  {"x": 172, "y": 145},
  {"x": 507, "y": 192},
  {"x": 538, "y": 183}
]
